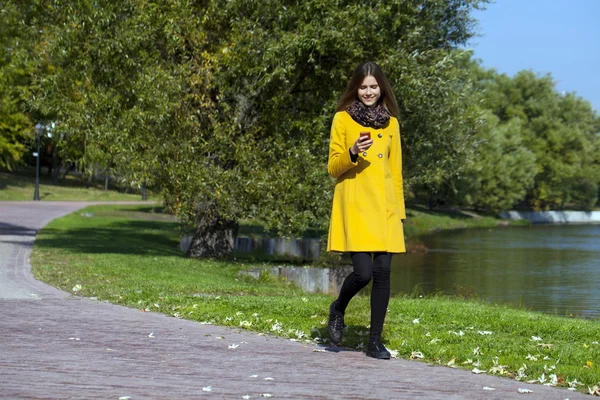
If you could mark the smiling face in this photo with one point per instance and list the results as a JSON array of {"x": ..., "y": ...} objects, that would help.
[{"x": 369, "y": 91}]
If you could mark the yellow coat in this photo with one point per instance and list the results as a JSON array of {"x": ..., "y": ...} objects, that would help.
[{"x": 368, "y": 201}]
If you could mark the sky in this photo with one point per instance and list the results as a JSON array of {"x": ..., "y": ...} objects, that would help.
[{"x": 559, "y": 37}]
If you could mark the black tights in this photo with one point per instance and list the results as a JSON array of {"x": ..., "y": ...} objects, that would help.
[{"x": 367, "y": 266}]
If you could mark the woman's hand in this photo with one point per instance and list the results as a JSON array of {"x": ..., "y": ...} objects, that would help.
[{"x": 361, "y": 144}]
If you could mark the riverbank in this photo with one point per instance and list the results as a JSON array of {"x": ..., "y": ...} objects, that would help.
[{"x": 128, "y": 255}]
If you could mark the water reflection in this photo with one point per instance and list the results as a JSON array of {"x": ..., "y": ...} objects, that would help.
[{"x": 555, "y": 269}]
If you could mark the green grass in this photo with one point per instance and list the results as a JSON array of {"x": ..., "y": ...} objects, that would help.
[
  {"x": 129, "y": 255},
  {"x": 20, "y": 187},
  {"x": 420, "y": 220}
]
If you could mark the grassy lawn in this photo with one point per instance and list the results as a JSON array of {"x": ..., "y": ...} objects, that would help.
[
  {"x": 129, "y": 255},
  {"x": 20, "y": 187}
]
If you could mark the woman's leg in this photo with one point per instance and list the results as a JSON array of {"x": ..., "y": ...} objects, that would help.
[
  {"x": 358, "y": 279},
  {"x": 380, "y": 294}
]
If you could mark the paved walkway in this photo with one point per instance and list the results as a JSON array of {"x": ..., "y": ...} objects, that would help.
[{"x": 56, "y": 346}]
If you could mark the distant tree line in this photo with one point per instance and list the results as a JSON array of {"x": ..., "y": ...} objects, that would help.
[{"x": 226, "y": 106}]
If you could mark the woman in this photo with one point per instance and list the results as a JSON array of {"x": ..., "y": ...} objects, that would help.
[{"x": 368, "y": 201}]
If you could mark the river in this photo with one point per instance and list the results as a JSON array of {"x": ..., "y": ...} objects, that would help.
[{"x": 549, "y": 268}]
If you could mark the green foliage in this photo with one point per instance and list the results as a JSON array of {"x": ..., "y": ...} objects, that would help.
[
  {"x": 15, "y": 70},
  {"x": 504, "y": 169},
  {"x": 560, "y": 130}
]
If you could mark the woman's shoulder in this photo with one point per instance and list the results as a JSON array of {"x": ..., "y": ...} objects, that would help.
[{"x": 341, "y": 115}]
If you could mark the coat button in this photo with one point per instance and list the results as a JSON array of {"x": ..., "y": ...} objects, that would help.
[
  {"x": 364, "y": 153},
  {"x": 379, "y": 155},
  {"x": 380, "y": 136}
]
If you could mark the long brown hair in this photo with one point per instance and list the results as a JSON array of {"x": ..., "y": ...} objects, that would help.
[{"x": 369, "y": 68}]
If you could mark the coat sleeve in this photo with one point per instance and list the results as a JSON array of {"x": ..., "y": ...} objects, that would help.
[
  {"x": 339, "y": 155},
  {"x": 395, "y": 160}
]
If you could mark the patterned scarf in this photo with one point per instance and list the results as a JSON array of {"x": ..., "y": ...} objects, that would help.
[{"x": 374, "y": 117}]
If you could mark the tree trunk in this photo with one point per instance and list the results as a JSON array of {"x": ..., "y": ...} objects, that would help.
[{"x": 214, "y": 235}]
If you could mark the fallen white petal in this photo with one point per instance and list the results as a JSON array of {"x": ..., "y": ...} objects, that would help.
[
  {"x": 415, "y": 321},
  {"x": 151, "y": 334},
  {"x": 246, "y": 397},
  {"x": 319, "y": 351},
  {"x": 234, "y": 346},
  {"x": 207, "y": 389},
  {"x": 124, "y": 398},
  {"x": 488, "y": 388},
  {"x": 477, "y": 371},
  {"x": 74, "y": 338},
  {"x": 484, "y": 332},
  {"x": 266, "y": 395},
  {"x": 253, "y": 376},
  {"x": 269, "y": 378},
  {"x": 522, "y": 391},
  {"x": 536, "y": 338}
]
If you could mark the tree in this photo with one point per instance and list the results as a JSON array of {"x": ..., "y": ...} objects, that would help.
[
  {"x": 16, "y": 128},
  {"x": 503, "y": 170},
  {"x": 227, "y": 105},
  {"x": 560, "y": 130}
]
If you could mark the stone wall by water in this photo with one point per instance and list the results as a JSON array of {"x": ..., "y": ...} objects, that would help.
[
  {"x": 554, "y": 217},
  {"x": 323, "y": 280},
  {"x": 304, "y": 249}
]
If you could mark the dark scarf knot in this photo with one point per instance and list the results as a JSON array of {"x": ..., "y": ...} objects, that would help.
[{"x": 373, "y": 117}]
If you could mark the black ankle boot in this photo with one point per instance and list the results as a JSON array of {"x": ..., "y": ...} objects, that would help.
[
  {"x": 336, "y": 324},
  {"x": 376, "y": 349}
]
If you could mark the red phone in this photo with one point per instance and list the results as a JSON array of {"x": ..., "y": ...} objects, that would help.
[{"x": 367, "y": 134}]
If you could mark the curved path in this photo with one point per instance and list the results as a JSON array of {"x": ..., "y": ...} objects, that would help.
[{"x": 57, "y": 346}]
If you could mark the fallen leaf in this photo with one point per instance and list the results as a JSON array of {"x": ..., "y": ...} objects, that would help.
[
  {"x": 451, "y": 362},
  {"x": 545, "y": 345},
  {"x": 415, "y": 355},
  {"x": 594, "y": 391}
]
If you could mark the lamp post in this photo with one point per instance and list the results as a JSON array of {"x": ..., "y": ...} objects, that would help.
[{"x": 38, "y": 132}]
